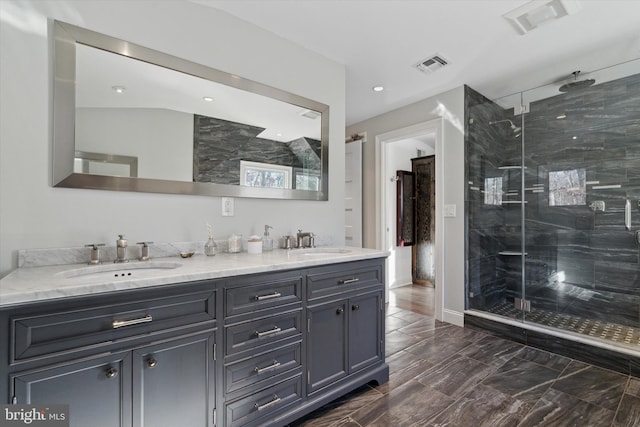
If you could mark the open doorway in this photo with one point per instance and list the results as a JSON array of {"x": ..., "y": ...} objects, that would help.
[{"x": 395, "y": 151}]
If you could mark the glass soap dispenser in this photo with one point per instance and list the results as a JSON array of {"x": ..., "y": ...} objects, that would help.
[
  {"x": 210, "y": 245},
  {"x": 267, "y": 241}
]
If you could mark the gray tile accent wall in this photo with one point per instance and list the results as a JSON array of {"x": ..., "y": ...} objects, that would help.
[
  {"x": 597, "y": 256},
  {"x": 219, "y": 145}
]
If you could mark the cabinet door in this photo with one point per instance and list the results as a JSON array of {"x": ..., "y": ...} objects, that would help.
[
  {"x": 98, "y": 391},
  {"x": 365, "y": 330},
  {"x": 326, "y": 344},
  {"x": 173, "y": 383}
]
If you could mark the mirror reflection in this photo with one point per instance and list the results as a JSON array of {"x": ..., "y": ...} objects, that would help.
[{"x": 182, "y": 127}]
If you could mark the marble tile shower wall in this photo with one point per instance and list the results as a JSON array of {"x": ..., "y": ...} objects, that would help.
[
  {"x": 486, "y": 272},
  {"x": 593, "y": 251}
]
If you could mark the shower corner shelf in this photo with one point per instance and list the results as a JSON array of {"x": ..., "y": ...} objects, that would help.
[{"x": 512, "y": 253}]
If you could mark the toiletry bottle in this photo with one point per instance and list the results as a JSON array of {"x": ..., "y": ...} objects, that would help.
[
  {"x": 210, "y": 245},
  {"x": 267, "y": 241}
]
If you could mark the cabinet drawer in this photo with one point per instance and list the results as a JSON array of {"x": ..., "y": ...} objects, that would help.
[
  {"x": 332, "y": 280},
  {"x": 262, "y": 366},
  {"x": 253, "y": 409},
  {"x": 270, "y": 292},
  {"x": 259, "y": 333},
  {"x": 104, "y": 320}
]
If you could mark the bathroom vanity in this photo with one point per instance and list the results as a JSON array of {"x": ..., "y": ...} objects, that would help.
[{"x": 235, "y": 340}]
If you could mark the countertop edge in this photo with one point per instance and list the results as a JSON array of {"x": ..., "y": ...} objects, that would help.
[{"x": 44, "y": 284}]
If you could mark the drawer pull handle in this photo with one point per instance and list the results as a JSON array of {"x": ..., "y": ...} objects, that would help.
[
  {"x": 268, "y": 296},
  {"x": 355, "y": 307},
  {"x": 339, "y": 310},
  {"x": 152, "y": 362},
  {"x": 112, "y": 373},
  {"x": 122, "y": 323},
  {"x": 347, "y": 281},
  {"x": 274, "y": 365},
  {"x": 275, "y": 400},
  {"x": 269, "y": 332}
]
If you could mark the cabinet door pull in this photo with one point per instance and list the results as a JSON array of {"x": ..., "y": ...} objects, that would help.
[
  {"x": 339, "y": 310},
  {"x": 347, "y": 281},
  {"x": 268, "y": 296},
  {"x": 112, "y": 373},
  {"x": 269, "y": 332},
  {"x": 275, "y": 400},
  {"x": 122, "y": 323},
  {"x": 355, "y": 307},
  {"x": 274, "y": 365},
  {"x": 152, "y": 362}
]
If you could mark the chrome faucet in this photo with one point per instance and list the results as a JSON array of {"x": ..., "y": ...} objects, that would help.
[
  {"x": 95, "y": 252},
  {"x": 121, "y": 249},
  {"x": 310, "y": 239},
  {"x": 144, "y": 251}
]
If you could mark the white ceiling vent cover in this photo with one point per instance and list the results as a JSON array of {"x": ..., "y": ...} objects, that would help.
[
  {"x": 431, "y": 64},
  {"x": 538, "y": 12},
  {"x": 310, "y": 114}
]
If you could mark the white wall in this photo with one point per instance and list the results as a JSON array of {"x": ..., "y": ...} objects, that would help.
[
  {"x": 33, "y": 214},
  {"x": 450, "y": 107},
  {"x": 162, "y": 140}
]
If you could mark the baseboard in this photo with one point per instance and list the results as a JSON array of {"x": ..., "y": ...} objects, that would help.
[{"x": 453, "y": 317}]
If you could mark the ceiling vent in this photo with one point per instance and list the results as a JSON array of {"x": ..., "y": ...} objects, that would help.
[
  {"x": 431, "y": 64},
  {"x": 310, "y": 114},
  {"x": 538, "y": 12}
]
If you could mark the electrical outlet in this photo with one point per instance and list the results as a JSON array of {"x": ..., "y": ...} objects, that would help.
[{"x": 227, "y": 206}]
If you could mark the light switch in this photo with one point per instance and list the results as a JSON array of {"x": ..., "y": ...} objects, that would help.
[
  {"x": 227, "y": 206},
  {"x": 450, "y": 211}
]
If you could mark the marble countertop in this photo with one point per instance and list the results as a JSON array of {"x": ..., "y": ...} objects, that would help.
[{"x": 34, "y": 284}]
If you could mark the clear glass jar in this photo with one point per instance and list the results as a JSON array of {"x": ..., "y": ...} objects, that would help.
[{"x": 210, "y": 247}]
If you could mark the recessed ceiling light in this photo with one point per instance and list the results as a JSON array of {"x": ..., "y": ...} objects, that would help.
[
  {"x": 118, "y": 89},
  {"x": 561, "y": 116},
  {"x": 377, "y": 88},
  {"x": 574, "y": 137},
  {"x": 207, "y": 98}
]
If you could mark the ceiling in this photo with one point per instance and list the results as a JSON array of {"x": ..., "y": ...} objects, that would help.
[{"x": 379, "y": 41}]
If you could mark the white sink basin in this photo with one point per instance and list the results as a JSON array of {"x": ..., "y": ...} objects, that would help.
[
  {"x": 322, "y": 251},
  {"x": 120, "y": 271}
]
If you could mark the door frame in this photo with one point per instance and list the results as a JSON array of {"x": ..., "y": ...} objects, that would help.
[{"x": 383, "y": 143}]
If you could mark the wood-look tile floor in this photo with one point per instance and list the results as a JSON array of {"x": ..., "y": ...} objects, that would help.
[{"x": 444, "y": 375}]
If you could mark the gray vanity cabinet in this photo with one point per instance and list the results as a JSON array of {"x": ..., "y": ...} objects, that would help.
[
  {"x": 174, "y": 382},
  {"x": 343, "y": 337},
  {"x": 326, "y": 344},
  {"x": 255, "y": 350},
  {"x": 345, "y": 320},
  {"x": 128, "y": 359},
  {"x": 94, "y": 389}
]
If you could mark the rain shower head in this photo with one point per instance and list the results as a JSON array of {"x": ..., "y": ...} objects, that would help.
[
  {"x": 576, "y": 84},
  {"x": 516, "y": 130}
]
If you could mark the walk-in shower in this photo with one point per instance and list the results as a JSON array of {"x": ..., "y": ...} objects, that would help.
[{"x": 543, "y": 252}]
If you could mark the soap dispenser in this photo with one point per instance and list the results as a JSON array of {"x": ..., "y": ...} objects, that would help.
[{"x": 267, "y": 241}]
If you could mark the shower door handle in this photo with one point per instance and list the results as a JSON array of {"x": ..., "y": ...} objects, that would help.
[{"x": 627, "y": 214}]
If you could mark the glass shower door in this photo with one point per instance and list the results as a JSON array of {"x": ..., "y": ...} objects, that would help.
[
  {"x": 582, "y": 188},
  {"x": 495, "y": 207}
]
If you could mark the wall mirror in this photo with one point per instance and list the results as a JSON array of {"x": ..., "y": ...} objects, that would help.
[{"x": 188, "y": 128}]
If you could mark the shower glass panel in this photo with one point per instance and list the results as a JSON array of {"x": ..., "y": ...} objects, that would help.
[
  {"x": 495, "y": 209},
  {"x": 554, "y": 206}
]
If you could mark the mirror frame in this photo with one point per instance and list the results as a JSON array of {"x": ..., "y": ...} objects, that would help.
[{"x": 66, "y": 36}]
